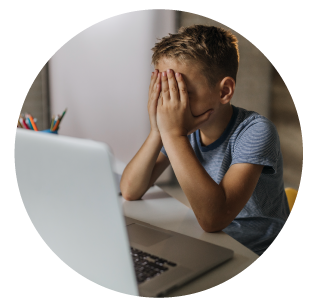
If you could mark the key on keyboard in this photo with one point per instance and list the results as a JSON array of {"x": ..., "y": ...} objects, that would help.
[{"x": 147, "y": 265}]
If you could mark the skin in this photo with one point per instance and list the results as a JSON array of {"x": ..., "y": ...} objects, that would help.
[
  {"x": 181, "y": 101},
  {"x": 201, "y": 98}
]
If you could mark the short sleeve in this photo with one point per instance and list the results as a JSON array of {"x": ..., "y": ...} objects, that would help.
[
  {"x": 258, "y": 143},
  {"x": 164, "y": 151}
]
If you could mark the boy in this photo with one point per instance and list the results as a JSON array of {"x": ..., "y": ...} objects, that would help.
[{"x": 227, "y": 160}]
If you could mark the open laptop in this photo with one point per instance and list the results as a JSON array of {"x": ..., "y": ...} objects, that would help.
[{"x": 71, "y": 195}]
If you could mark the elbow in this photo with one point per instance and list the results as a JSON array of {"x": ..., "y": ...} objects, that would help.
[
  {"x": 129, "y": 197},
  {"x": 126, "y": 190},
  {"x": 128, "y": 194},
  {"x": 211, "y": 225},
  {"x": 211, "y": 229},
  {"x": 212, "y": 221},
  {"x": 125, "y": 194}
]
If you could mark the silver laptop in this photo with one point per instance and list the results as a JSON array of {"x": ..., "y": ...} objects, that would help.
[{"x": 71, "y": 195}]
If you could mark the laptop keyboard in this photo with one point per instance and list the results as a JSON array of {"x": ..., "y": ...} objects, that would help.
[{"x": 148, "y": 266}]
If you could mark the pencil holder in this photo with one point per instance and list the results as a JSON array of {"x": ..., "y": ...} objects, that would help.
[{"x": 49, "y": 131}]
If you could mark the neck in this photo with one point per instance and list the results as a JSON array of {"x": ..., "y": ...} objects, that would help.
[{"x": 210, "y": 132}]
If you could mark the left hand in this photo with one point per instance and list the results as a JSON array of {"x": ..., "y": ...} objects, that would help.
[{"x": 174, "y": 116}]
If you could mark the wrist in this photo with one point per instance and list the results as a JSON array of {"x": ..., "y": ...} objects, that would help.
[
  {"x": 170, "y": 137},
  {"x": 155, "y": 136}
]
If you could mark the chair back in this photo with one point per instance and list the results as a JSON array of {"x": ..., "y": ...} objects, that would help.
[{"x": 291, "y": 196}]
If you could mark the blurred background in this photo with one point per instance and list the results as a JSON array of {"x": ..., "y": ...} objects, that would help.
[{"x": 102, "y": 76}]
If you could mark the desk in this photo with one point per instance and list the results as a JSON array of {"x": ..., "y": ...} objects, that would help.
[{"x": 160, "y": 209}]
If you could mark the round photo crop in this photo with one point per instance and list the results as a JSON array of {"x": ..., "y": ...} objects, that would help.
[{"x": 166, "y": 152}]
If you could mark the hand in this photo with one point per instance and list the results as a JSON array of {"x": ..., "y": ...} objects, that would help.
[
  {"x": 154, "y": 92},
  {"x": 174, "y": 116}
]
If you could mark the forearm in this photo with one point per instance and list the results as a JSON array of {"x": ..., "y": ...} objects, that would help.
[
  {"x": 136, "y": 177},
  {"x": 206, "y": 197}
]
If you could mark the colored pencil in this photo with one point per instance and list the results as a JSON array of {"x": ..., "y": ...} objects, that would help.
[
  {"x": 55, "y": 121},
  {"x": 28, "y": 122},
  {"x": 32, "y": 122},
  {"x": 56, "y": 125},
  {"x": 25, "y": 126},
  {"x": 63, "y": 114},
  {"x": 52, "y": 123}
]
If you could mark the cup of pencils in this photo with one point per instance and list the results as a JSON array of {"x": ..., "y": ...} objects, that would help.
[
  {"x": 26, "y": 121},
  {"x": 55, "y": 123}
]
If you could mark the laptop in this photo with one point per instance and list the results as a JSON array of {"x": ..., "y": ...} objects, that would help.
[{"x": 72, "y": 197}]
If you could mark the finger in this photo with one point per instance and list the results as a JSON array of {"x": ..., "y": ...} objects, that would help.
[
  {"x": 183, "y": 94},
  {"x": 153, "y": 80},
  {"x": 160, "y": 100},
  {"x": 156, "y": 88},
  {"x": 199, "y": 121},
  {"x": 165, "y": 88},
  {"x": 173, "y": 86},
  {"x": 202, "y": 118}
]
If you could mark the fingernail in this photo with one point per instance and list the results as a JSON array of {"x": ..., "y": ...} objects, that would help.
[
  {"x": 168, "y": 71},
  {"x": 163, "y": 73},
  {"x": 177, "y": 74}
]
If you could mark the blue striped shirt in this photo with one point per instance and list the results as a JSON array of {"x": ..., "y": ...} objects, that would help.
[{"x": 249, "y": 138}]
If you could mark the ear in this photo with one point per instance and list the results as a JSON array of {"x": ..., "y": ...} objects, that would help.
[{"x": 227, "y": 87}]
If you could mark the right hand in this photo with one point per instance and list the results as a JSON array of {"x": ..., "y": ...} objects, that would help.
[{"x": 154, "y": 93}]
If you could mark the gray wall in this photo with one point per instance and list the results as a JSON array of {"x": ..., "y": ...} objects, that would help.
[
  {"x": 285, "y": 118},
  {"x": 36, "y": 102}
]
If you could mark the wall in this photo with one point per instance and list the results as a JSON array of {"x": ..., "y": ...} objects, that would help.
[
  {"x": 102, "y": 76},
  {"x": 285, "y": 118},
  {"x": 36, "y": 102}
]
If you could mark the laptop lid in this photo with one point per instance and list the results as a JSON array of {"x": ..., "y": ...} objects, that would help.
[{"x": 71, "y": 196}]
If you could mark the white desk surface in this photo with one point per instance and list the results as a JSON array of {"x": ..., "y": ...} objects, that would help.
[{"x": 160, "y": 209}]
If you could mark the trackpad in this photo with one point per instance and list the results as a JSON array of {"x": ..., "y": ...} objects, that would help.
[{"x": 144, "y": 236}]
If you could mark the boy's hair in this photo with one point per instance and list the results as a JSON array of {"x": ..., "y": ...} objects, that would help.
[{"x": 214, "y": 48}]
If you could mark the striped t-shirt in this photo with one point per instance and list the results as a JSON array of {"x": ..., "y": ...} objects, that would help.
[{"x": 249, "y": 138}]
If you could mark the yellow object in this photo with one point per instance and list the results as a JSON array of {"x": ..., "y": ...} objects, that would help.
[{"x": 291, "y": 196}]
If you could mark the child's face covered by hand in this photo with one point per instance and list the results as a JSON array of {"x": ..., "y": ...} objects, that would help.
[{"x": 190, "y": 85}]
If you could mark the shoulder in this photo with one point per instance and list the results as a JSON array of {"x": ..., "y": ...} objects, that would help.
[
  {"x": 253, "y": 126},
  {"x": 255, "y": 140}
]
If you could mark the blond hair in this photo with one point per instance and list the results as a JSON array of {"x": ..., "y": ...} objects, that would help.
[{"x": 214, "y": 48}]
